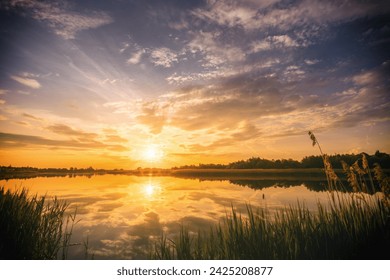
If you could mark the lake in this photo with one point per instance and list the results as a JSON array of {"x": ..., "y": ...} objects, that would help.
[{"x": 121, "y": 216}]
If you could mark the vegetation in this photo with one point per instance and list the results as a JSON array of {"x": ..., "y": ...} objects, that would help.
[
  {"x": 350, "y": 229},
  {"x": 310, "y": 162},
  {"x": 352, "y": 226},
  {"x": 382, "y": 159},
  {"x": 10, "y": 172},
  {"x": 33, "y": 228}
]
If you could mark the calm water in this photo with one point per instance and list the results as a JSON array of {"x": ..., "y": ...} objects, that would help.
[{"x": 122, "y": 215}]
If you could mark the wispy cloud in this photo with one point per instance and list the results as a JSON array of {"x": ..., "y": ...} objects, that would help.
[
  {"x": 252, "y": 15},
  {"x": 67, "y": 130},
  {"x": 31, "y": 117},
  {"x": 11, "y": 140},
  {"x": 311, "y": 61},
  {"x": 57, "y": 15},
  {"x": 366, "y": 78},
  {"x": 29, "y": 82}
]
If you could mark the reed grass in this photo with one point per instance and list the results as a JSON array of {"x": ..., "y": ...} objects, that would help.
[
  {"x": 351, "y": 226},
  {"x": 32, "y": 227},
  {"x": 350, "y": 229}
]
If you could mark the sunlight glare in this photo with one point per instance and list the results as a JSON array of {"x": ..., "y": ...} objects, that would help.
[
  {"x": 149, "y": 189},
  {"x": 152, "y": 153}
]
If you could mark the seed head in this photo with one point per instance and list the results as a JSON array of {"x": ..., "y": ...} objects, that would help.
[{"x": 313, "y": 138}]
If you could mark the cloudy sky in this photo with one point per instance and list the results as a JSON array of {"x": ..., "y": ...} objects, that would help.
[{"x": 122, "y": 84}]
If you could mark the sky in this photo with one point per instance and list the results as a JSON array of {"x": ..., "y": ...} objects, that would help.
[{"x": 127, "y": 84}]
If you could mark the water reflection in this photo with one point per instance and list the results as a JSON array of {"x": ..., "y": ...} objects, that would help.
[
  {"x": 151, "y": 190},
  {"x": 123, "y": 215},
  {"x": 316, "y": 186}
]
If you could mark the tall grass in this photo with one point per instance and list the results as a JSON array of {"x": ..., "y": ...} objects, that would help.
[
  {"x": 350, "y": 229},
  {"x": 351, "y": 226},
  {"x": 32, "y": 227}
]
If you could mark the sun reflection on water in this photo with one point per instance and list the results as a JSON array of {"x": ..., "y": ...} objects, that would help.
[
  {"x": 150, "y": 190},
  {"x": 121, "y": 210}
]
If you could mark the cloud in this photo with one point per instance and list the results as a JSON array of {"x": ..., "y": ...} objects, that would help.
[
  {"x": 29, "y": 82},
  {"x": 163, "y": 57},
  {"x": 215, "y": 53},
  {"x": 366, "y": 78},
  {"x": 353, "y": 110},
  {"x": 60, "y": 18},
  {"x": 366, "y": 102},
  {"x": 262, "y": 45},
  {"x": 226, "y": 13},
  {"x": 19, "y": 140},
  {"x": 136, "y": 57},
  {"x": 294, "y": 73},
  {"x": 252, "y": 15},
  {"x": 243, "y": 132},
  {"x": 248, "y": 107},
  {"x": 115, "y": 138},
  {"x": 66, "y": 130},
  {"x": 284, "y": 41},
  {"x": 31, "y": 117},
  {"x": 371, "y": 78},
  {"x": 271, "y": 42},
  {"x": 226, "y": 111},
  {"x": 224, "y": 105},
  {"x": 311, "y": 61},
  {"x": 153, "y": 116},
  {"x": 88, "y": 137}
]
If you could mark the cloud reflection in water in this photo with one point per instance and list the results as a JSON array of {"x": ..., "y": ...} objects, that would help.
[{"x": 123, "y": 215}]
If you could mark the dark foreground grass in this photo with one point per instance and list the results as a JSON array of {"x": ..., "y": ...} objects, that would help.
[{"x": 31, "y": 227}]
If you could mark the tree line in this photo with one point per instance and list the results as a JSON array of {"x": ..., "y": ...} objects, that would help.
[{"x": 383, "y": 159}]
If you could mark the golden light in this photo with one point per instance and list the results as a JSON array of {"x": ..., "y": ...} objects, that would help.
[
  {"x": 152, "y": 153},
  {"x": 149, "y": 189}
]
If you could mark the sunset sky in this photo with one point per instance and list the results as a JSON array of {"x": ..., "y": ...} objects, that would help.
[{"x": 122, "y": 84}]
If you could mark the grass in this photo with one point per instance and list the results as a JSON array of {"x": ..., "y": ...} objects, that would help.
[
  {"x": 32, "y": 227},
  {"x": 350, "y": 229},
  {"x": 352, "y": 226}
]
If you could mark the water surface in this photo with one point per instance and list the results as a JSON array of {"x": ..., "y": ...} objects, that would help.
[{"x": 121, "y": 216}]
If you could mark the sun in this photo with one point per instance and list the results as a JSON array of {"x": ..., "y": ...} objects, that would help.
[{"x": 152, "y": 153}]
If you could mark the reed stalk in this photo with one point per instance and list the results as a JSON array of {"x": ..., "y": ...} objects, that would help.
[{"x": 31, "y": 227}]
